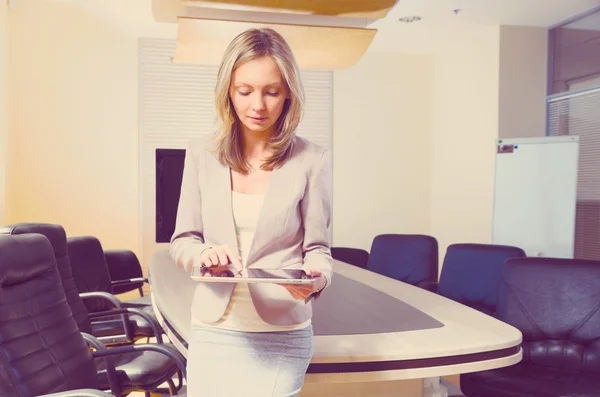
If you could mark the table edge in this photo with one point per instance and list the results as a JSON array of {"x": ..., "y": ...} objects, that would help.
[{"x": 431, "y": 362}]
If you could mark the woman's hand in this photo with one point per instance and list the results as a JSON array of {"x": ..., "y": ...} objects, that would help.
[
  {"x": 303, "y": 291},
  {"x": 221, "y": 255}
]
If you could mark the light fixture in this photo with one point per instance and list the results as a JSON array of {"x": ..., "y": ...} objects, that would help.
[
  {"x": 203, "y": 41},
  {"x": 341, "y": 8},
  {"x": 409, "y": 19},
  {"x": 324, "y": 34}
]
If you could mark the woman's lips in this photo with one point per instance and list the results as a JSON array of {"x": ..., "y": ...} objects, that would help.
[{"x": 258, "y": 119}]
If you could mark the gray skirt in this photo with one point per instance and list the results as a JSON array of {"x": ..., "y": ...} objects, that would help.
[{"x": 224, "y": 363}]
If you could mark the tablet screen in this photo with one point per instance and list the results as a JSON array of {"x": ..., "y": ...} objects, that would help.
[
  {"x": 277, "y": 273},
  {"x": 265, "y": 274},
  {"x": 216, "y": 271}
]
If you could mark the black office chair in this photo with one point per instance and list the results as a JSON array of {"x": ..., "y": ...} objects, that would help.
[
  {"x": 354, "y": 256},
  {"x": 410, "y": 258},
  {"x": 124, "y": 328},
  {"x": 471, "y": 274},
  {"x": 42, "y": 350},
  {"x": 90, "y": 272},
  {"x": 137, "y": 370},
  {"x": 555, "y": 304}
]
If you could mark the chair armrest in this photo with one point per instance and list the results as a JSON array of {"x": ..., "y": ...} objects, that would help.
[
  {"x": 111, "y": 372},
  {"x": 119, "y": 283},
  {"x": 167, "y": 350},
  {"x": 102, "y": 295},
  {"x": 428, "y": 285},
  {"x": 155, "y": 328},
  {"x": 115, "y": 302},
  {"x": 79, "y": 393}
]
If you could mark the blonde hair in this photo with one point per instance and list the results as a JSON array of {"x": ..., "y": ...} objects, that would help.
[{"x": 247, "y": 46}]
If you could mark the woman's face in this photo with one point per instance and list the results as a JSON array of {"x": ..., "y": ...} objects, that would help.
[{"x": 258, "y": 93}]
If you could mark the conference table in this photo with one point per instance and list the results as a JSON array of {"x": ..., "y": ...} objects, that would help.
[{"x": 374, "y": 335}]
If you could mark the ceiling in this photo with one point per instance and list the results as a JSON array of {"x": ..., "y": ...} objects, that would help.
[
  {"x": 590, "y": 22},
  {"x": 502, "y": 12},
  {"x": 438, "y": 18}
]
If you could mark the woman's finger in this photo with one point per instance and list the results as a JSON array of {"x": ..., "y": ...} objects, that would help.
[
  {"x": 296, "y": 294},
  {"x": 214, "y": 258},
  {"x": 206, "y": 261},
  {"x": 303, "y": 289},
  {"x": 312, "y": 272},
  {"x": 222, "y": 258},
  {"x": 299, "y": 292},
  {"x": 235, "y": 259}
]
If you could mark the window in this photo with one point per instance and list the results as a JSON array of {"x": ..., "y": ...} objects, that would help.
[
  {"x": 574, "y": 109},
  {"x": 574, "y": 52}
]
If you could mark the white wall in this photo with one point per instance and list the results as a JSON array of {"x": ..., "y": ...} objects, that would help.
[
  {"x": 3, "y": 106},
  {"x": 382, "y": 154},
  {"x": 464, "y": 126}
]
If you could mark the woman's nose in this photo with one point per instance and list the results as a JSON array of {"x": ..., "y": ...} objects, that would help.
[{"x": 258, "y": 102}]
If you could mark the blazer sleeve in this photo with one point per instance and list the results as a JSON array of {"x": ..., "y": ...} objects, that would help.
[
  {"x": 187, "y": 242},
  {"x": 316, "y": 208}
]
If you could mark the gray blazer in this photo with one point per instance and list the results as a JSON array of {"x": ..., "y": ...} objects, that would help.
[{"x": 293, "y": 231}]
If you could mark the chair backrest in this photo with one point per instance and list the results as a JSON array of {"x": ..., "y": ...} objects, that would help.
[
  {"x": 90, "y": 270},
  {"x": 58, "y": 239},
  {"x": 411, "y": 258},
  {"x": 471, "y": 274},
  {"x": 41, "y": 348},
  {"x": 555, "y": 303},
  {"x": 354, "y": 256}
]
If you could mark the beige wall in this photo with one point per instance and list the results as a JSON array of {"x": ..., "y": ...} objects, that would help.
[
  {"x": 413, "y": 134},
  {"x": 74, "y": 130},
  {"x": 430, "y": 166},
  {"x": 3, "y": 106},
  {"x": 464, "y": 127},
  {"x": 81, "y": 148},
  {"x": 382, "y": 154},
  {"x": 523, "y": 81}
]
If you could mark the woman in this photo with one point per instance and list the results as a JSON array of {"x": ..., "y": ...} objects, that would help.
[{"x": 254, "y": 195}]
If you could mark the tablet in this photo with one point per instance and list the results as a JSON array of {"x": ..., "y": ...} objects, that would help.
[{"x": 225, "y": 274}]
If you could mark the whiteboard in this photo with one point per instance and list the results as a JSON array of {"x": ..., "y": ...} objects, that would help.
[{"x": 535, "y": 195}]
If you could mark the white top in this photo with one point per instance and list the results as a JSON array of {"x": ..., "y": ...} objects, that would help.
[{"x": 240, "y": 314}]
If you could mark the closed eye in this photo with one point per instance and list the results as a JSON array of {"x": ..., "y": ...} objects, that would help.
[{"x": 245, "y": 93}]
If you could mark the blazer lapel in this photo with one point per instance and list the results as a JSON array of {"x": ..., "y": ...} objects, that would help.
[{"x": 222, "y": 187}]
